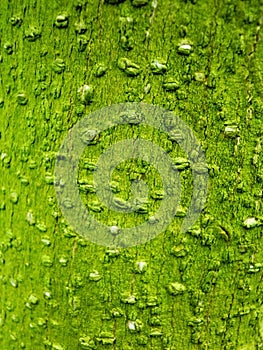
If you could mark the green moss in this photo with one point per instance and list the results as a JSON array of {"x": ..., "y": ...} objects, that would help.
[{"x": 197, "y": 290}]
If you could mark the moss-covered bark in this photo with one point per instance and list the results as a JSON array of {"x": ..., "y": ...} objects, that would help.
[{"x": 199, "y": 290}]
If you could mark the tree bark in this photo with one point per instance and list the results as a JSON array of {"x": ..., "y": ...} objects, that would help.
[{"x": 200, "y": 59}]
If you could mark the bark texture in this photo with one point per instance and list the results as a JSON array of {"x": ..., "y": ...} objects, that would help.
[{"x": 201, "y": 59}]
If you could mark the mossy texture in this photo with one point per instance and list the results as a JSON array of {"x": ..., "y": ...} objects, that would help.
[{"x": 62, "y": 60}]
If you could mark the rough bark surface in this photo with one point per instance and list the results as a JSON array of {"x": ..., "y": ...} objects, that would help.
[{"x": 51, "y": 295}]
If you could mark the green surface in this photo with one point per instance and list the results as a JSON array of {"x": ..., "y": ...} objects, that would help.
[{"x": 198, "y": 290}]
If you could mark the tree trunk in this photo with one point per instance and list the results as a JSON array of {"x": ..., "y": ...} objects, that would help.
[{"x": 198, "y": 290}]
